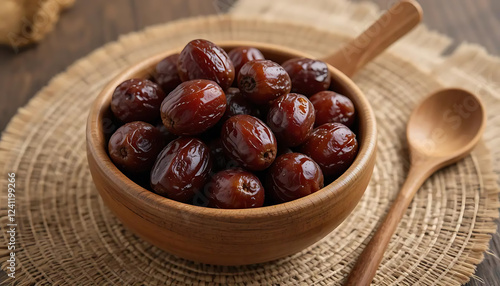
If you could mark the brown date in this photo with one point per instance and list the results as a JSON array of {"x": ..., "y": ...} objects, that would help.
[
  {"x": 242, "y": 55},
  {"x": 308, "y": 76},
  {"x": 333, "y": 146},
  {"x": 262, "y": 81},
  {"x": 249, "y": 142},
  {"x": 202, "y": 59},
  {"x": 166, "y": 74},
  {"x": 137, "y": 100},
  {"x": 291, "y": 118},
  {"x": 181, "y": 169},
  {"x": 293, "y": 176},
  {"x": 238, "y": 104},
  {"x": 332, "y": 107},
  {"x": 193, "y": 107},
  {"x": 235, "y": 189},
  {"x": 133, "y": 147}
]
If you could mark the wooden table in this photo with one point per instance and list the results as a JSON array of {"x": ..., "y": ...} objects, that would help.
[{"x": 92, "y": 23}]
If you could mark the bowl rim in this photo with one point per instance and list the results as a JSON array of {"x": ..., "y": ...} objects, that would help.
[{"x": 96, "y": 145}]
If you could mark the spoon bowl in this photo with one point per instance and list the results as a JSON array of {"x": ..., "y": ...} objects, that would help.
[{"x": 445, "y": 126}]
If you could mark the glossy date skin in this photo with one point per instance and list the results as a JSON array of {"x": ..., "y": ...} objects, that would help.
[
  {"x": 238, "y": 104},
  {"x": 249, "y": 142},
  {"x": 291, "y": 117},
  {"x": 193, "y": 107},
  {"x": 332, "y": 107},
  {"x": 166, "y": 74},
  {"x": 308, "y": 76},
  {"x": 333, "y": 146},
  {"x": 202, "y": 59},
  {"x": 293, "y": 176},
  {"x": 181, "y": 169},
  {"x": 263, "y": 80},
  {"x": 242, "y": 55},
  {"x": 133, "y": 147},
  {"x": 137, "y": 100},
  {"x": 235, "y": 189}
]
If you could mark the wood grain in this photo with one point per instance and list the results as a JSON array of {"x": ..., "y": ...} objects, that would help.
[
  {"x": 389, "y": 28},
  {"x": 23, "y": 74}
]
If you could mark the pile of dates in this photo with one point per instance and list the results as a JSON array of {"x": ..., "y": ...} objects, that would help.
[{"x": 232, "y": 130}]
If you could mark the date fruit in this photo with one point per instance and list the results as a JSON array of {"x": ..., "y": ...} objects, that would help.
[
  {"x": 202, "y": 59},
  {"x": 308, "y": 76},
  {"x": 137, "y": 100},
  {"x": 242, "y": 55},
  {"x": 262, "y": 81},
  {"x": 181, "y": 169},
  {"x": 166, "y": 74},
  {"x": 193, "y": 107},
  {"x": 249, "y": 142},
  {"x": 333, "y": 146},
  {"x": 332, "y": 107},
  {"x": 133, "y": 147},
  {"x": 291, "y": 118},
  {"x": 235, "y": 189},
  {"x": 293, "y": 176}
]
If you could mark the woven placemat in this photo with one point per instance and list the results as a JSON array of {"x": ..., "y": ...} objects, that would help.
[{"x": 67, "y": 236}]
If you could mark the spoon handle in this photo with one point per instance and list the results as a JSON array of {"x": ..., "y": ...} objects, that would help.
[
  {"x": 366, "y": 266},
  {"x": 390, "y": 27}
]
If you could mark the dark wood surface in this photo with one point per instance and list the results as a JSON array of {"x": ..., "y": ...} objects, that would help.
[{"x": 92, "y": 23}]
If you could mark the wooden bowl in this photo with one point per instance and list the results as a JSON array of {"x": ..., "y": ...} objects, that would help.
[{"x": 221, "y": 236}]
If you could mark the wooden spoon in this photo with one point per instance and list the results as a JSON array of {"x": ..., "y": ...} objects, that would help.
[
  {"x": 390, "y": 27},
  {"x": 442, "y": 130}
]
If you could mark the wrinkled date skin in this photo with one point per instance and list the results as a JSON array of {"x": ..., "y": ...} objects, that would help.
[
  {"x": 291, "y": 117},
  {"x": 249, "y": 142},
  {"x": 308, "y": 76},
  {"x": 133, "y": 147},
  {"x": 235, "y": 189},
  {"x": 293, "y": 176},
  {"x": 137, "y": 100},
  {"x": 193, "y": 107},
  {"x": 166, "y": 74},
  {"x": 181, "y": 169},
  {"x": 242, "y": 55},
  {"x": 332, "y": 107},
  {"x": 262, "y": 81},
  {"x": 333, "y": 146},
  {"x": 202, "y": 59},
  {"x": 238, "y": 104}
]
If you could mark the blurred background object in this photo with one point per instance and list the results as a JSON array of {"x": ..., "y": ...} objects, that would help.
[{"x": 28, "y": 21}]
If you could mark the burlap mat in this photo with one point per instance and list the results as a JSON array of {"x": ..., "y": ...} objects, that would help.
[{"x": 67, "y": 236}]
